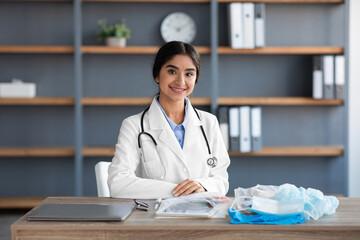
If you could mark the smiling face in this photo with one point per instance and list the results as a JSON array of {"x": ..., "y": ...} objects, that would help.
[{"x": 176, "y": 78}]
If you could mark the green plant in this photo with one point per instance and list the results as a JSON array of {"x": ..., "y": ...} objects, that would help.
[{"x": 119, "y": 30}]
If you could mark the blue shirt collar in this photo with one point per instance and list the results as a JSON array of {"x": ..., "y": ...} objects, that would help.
[{"x": 172, "y": 124}]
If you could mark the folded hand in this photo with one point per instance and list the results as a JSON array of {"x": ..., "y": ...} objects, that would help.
[{"x": 187, "y": 187}]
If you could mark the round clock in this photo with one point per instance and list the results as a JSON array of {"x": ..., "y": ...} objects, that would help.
[{"x": 178, "y": 26}]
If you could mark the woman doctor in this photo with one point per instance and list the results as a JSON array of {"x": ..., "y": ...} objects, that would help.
[{"x": 170, "y": 149}]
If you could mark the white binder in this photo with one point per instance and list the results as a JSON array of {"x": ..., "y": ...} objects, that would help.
[
  {"x": 224, "y": 124},
  {"x": 328, "y": 61},
  {"x": 249, "y": 25},
  {"x": 317, "y": 77},
  {"x": 259, "y": 24},
  {"x": 340, "y": 77},
  {"x": 235, "y": 19},
  {"x": 256, "y": 138},
  {"x": 245, "y": 138},
  {"x": 234, "y": 128}
]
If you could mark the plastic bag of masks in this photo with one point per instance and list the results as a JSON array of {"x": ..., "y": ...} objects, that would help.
[{"x": 283, "y": 205}]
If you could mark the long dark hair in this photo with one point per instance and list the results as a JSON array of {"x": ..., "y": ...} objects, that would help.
[{"x": 169, "y": 50}]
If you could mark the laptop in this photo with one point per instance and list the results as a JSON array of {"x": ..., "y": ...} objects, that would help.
[{"x": 82, "y": 212}]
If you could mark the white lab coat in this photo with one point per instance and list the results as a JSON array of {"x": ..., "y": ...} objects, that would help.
[{"x": 154, "y": 171}]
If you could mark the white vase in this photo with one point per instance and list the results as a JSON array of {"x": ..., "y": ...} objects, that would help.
[{"x": 115, "y": 42}]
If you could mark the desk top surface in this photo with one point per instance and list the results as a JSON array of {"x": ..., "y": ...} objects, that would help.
[{"x": 347, "y": 217}]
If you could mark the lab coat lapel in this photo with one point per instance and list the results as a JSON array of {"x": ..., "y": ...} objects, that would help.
[
  {"x": 157, "y": 121},
  {"x": 192, "y": 124}
]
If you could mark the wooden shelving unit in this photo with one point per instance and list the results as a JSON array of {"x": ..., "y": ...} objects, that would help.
[
  {"x": 131, "y": 50},
  {"x": 277, "y": 101},
  {"x": 50, "y": 101},
  {"x": 37, "y": 49},
  {"x": 133, "y": 101},
  {"x": 283, "y": 50},
  {"x": 19, "y": 202},
  {"x": 293, "y": 151}
]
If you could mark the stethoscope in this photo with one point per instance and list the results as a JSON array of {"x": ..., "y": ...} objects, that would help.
[{"x": 211, "y": 162}]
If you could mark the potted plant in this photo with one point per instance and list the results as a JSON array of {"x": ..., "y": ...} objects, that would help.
[{"x": 115, "y": 35}]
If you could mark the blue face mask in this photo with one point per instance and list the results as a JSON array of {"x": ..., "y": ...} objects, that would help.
[{"x": 315, "y": 203}]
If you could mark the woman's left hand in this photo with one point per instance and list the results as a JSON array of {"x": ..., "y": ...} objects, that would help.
[{"x": 187, "y": 187}]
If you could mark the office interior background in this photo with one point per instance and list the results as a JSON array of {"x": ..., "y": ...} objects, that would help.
[{"x": 50, "y": 144}]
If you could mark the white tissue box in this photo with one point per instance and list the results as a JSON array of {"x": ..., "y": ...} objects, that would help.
[{"x": 17, "y": 89}]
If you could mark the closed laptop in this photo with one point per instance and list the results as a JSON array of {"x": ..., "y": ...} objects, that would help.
[{"x": 82, "y": 212}]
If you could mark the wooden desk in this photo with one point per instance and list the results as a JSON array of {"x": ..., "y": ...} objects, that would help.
[{"x": 345, "y": 224}]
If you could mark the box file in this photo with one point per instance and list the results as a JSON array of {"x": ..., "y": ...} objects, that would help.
[
  {"x": 340, "y": 77},
  {"x": 249, "y": 25},
  {"x": 245, "y": 138},
  {"x": 256, "y": 138},
  {"x": 317, "y": 77},
  {"x": 224, "y": 124},
  {"x": 234, "y": 128},
  {"x": 328, "y": 61},
  {"x": 236, "y": 25},
  {"x": 259, "y": 24}
]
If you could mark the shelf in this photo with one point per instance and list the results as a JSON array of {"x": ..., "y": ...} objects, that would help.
[
  {"x": 283, "y": 50},
  {"x": 153, "y": 50},
  {"x": 37, "y": 152},
  {"x": 131, "y": 50},
  {"x": 291, "y": 151},
  {"x": 324, "y": 151},
  {"x": 19, "y": 202},
  {"x": 133, "y": 101},
  {"x": 283, "y": 1},
  {"x": 37, "y": 49},
  {"x": 144, "y": 1},
  {"x": 142, "y": 101},
  {"x": 98, "y": 151},
  {"x": 48, "y": 101},
  {"x": 277, "y": 101}
]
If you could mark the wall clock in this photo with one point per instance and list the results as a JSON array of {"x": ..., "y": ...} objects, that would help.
[{"x": 178, "y": 26}]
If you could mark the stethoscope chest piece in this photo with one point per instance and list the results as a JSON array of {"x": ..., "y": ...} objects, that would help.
[{"x": 212, "y": 162}]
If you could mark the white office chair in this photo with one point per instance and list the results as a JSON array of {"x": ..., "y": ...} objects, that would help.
[{"x": 101, "y": 172}]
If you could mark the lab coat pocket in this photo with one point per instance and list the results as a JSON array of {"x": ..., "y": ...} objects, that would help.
[{"x": 152, "y": 165}]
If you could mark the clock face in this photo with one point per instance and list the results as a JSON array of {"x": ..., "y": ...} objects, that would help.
[{"x": 178, "y": 26}]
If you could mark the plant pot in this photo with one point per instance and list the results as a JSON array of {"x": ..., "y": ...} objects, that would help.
[{"x": 116, "y": 42}]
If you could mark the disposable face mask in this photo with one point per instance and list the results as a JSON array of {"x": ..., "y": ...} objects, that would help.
[
  {"x": 315, "y": 203},
  {"x": 243, "y": 196}
]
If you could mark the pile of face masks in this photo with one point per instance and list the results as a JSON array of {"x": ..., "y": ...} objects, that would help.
[{"x": 315, "y": 204}]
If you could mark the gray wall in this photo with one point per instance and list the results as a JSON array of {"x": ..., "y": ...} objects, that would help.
[{"x": 130, "y": 75}]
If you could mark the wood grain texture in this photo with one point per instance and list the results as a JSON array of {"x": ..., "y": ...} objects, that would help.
[
  {"x": 283, "y": 50},
  {"x": 293, "y": 151},
  {"x": 37, "y": 49},
  {"x": 277, "y": 101},
  {"x": 344, "y": 224},
  {"x": 37, "y": 152},
  {"x": 131, "y": 50},
  {"x": 19, "y": 202},
  {"x": 38, "y": 101}
]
